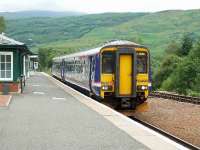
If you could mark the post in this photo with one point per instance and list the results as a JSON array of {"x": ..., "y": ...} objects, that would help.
[
  {"x": 21, "y": 83},
  {"x": 24, "y": 81}
]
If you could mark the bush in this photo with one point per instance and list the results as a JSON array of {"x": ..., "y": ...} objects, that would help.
[
  {"x": 186, "y": 78},
  {"x": 167, "y": 67},
  {"x": 45, "y": 58},
  {"x": 173, "y": 48},
  {"x": 183, "y": 77},
  {"x": 46, "y": 55}
]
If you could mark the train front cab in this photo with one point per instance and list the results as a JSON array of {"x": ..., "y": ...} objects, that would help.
[{"x": 124, "y": 73}]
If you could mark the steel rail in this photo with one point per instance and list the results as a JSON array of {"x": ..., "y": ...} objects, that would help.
[
  {"x": 180, "y": 98},
  {"x": 166, "y": 134}
]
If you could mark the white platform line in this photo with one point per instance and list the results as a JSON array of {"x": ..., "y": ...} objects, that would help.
[
  {"x": 148, "y": 140},
  {"x": 35, "y": 85},
  {"x": 58, "y": 98},
  {"x": 39, "y": 93}
]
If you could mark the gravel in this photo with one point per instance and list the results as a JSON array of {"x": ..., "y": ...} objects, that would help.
[{"x": 178, "y": 118}]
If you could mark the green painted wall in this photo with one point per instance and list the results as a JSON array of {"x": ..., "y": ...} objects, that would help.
[{"x": 17, "y": 63}]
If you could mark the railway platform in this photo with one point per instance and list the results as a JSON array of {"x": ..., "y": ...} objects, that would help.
[{"x": 50, "y": 115}]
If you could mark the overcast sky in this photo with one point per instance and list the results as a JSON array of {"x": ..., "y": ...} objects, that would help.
[{"x": 98, "y": 6}]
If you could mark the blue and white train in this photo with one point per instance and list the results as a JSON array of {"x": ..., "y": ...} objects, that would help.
[{"x": 118, "y": 69}]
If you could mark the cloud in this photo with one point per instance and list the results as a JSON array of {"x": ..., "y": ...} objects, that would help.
[
  {"x": 16, "y": 5},
  {"x": 96, "y": 6}
]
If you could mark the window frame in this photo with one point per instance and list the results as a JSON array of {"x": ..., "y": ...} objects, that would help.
[
  {"x": 11, "y": 54},
  {"x": 147, "y": 61},
  {"x": 113, "y": 57}
]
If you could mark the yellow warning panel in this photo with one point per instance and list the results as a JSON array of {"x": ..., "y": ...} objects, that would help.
[{"x": 125, "y": 74}]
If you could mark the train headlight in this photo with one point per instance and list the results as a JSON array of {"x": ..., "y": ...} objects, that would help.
[
  {"x": 107, "y": 87},
  {"x": 142, "y": 87}
]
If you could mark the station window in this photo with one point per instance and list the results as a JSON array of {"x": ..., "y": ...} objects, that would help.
[
  {"x": 6, "y": 59},
  {"x": 142, "y": 62},
  {"x": 108, "y": 62}
]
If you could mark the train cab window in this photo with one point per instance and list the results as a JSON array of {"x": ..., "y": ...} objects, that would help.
[
  {"x": 141, "y": 62},
  {"x": 108, "y": 62}
]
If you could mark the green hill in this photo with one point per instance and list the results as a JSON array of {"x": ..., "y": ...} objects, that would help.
[
  {"x": 45, "y": 30},
  {"x": 155, "y": 30}
]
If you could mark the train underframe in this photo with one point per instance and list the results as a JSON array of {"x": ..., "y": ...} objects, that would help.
[{"x": 124, "y": 102}]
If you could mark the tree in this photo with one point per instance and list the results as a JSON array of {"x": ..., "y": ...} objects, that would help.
[
  {"x": 173, "y": 48},
  {"x": 167, "y": 67},
  {"x": 186, "y": 46},
  {"x": 42, "y": 58},
  {"x": 195, "y": 56},
  {"x": 2, "y": 24},
  {"x": 46, "y": 55},
  {"x": 186, "y": 77},
  {"x": 174, "y": 74}
]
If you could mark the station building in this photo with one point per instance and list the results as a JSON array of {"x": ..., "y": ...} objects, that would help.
[
  {"x": 33, "y": 65},
  {"x": 14, "y": 64}
]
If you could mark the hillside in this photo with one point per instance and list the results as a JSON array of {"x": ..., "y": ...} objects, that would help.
[
  {"x": 37, "y": 13},
  {"x": 45, "y": 30},
  {"x": 155, "y": 30}
]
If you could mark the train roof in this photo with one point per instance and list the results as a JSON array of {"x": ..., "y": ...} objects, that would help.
[{"x": 98, "y": 49}]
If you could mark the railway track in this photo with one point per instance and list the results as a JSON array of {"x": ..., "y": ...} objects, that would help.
[
  {"x": 166, "y": 134},
  {"x": 176, "y": 97}
]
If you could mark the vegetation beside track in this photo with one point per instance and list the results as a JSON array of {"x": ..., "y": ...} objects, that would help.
[{"x": 180, "y": 68}]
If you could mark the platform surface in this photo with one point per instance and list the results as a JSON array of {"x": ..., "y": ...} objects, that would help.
[{"x": 48, "y": 116}]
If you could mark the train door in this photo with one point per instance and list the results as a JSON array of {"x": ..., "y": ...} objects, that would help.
[
  {"x": 63, "y": 69},
  {"x": 126, "y": 73}
]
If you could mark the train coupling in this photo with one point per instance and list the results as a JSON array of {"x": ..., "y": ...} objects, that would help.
[{"x": 125, "y": 102}]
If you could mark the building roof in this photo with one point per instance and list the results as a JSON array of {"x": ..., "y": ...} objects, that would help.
[{"x": 4, "y": 40}]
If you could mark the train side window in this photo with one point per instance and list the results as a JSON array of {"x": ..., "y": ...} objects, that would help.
[
  {"x": 108, "y": 62},
  {"x": 142, "y": 62}
]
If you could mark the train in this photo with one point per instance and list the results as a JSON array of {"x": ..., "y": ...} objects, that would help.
[{"x": 119, "y": 70}]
